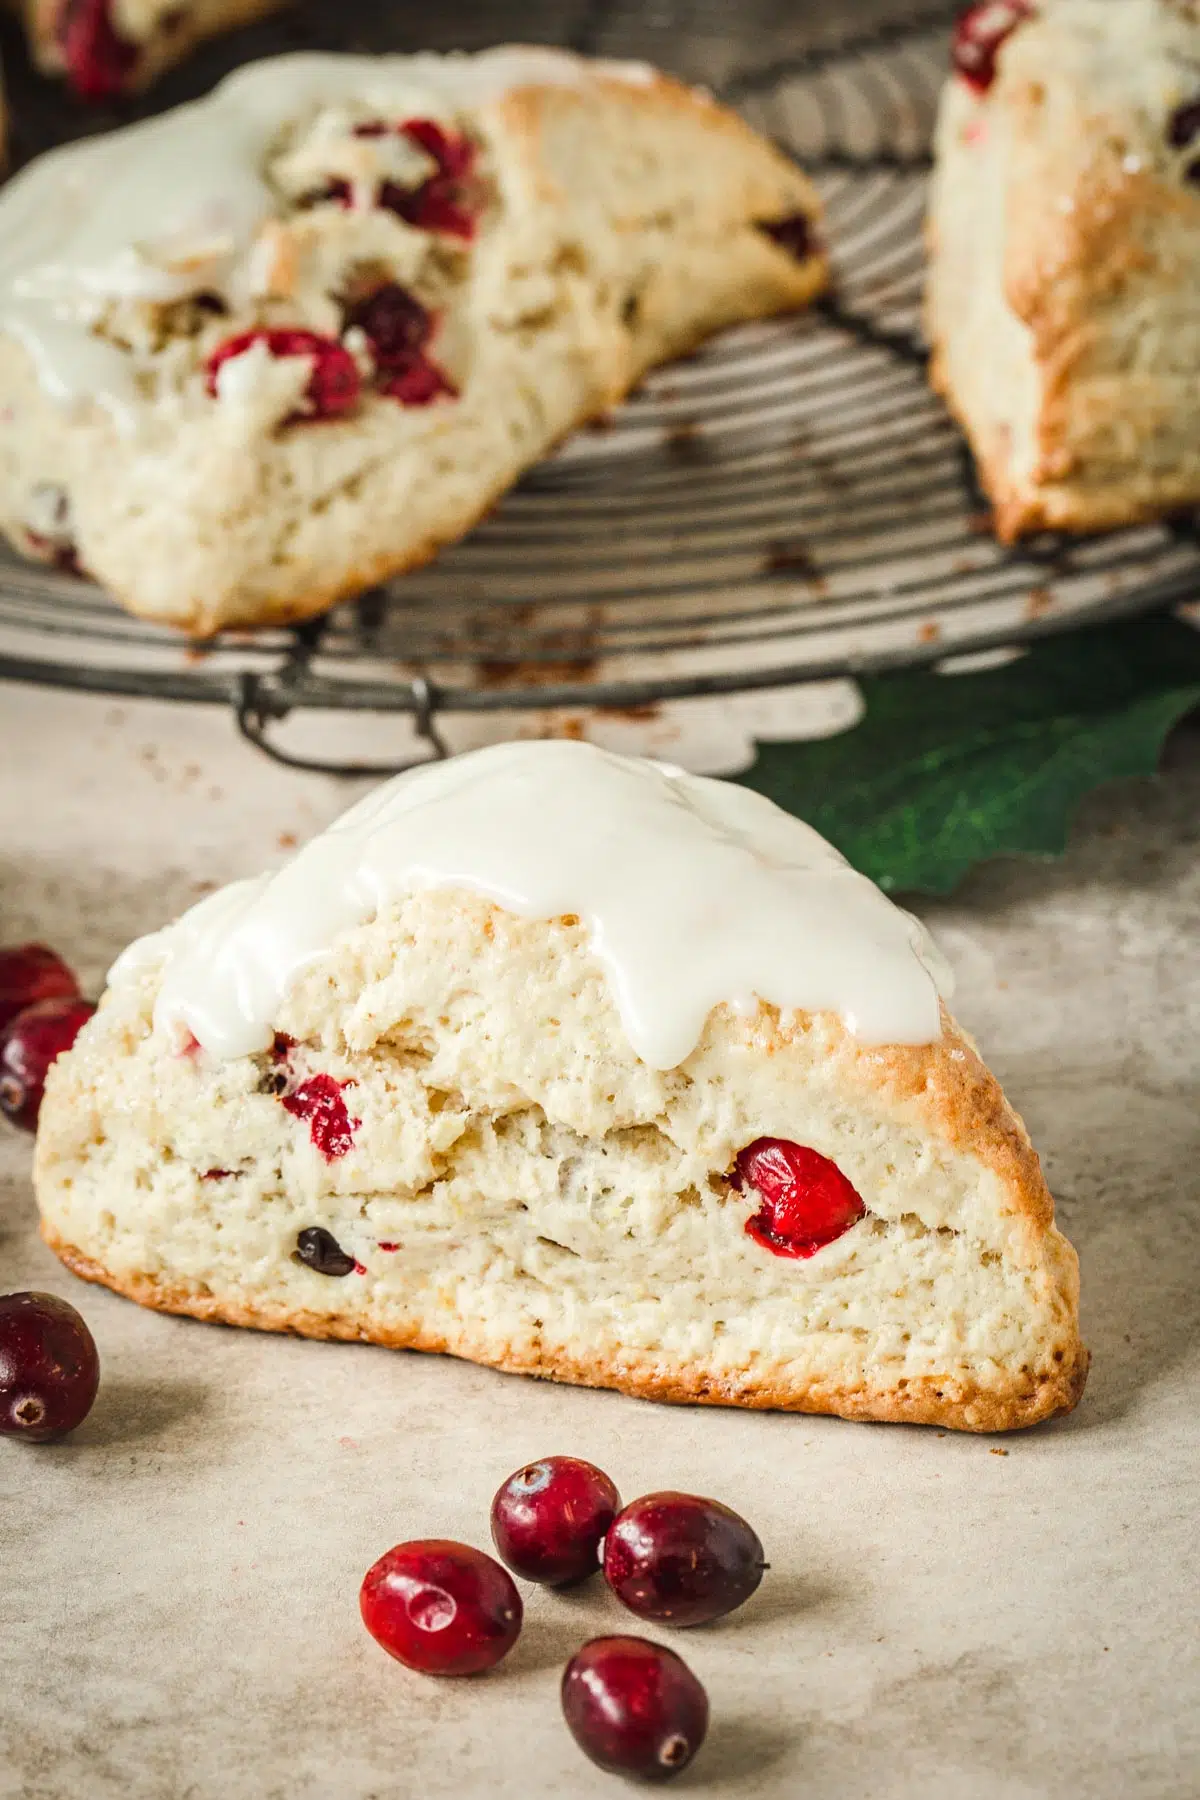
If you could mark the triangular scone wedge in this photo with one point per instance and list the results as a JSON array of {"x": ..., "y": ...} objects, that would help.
[
  {"x": 449, "y": 1141},
  {"x": 265, "y": 350}
]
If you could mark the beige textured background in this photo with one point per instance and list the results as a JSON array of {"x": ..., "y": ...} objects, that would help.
[{"x": 178, "y": 1614}]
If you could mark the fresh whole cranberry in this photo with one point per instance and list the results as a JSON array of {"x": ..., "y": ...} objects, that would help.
[
  {"x": 806, "y": 1200},
  {"x": 49, "y": 1369},
  {"x": 333, "y": 386},
  {"x": 98, "y": 59},
  {"x": 31, "y": 1043},
  {"x": 440, "y": 1607},
  {"x": 549, "y": 1519},
  {"x": 978, "y": 36},
  {"x": 681, "y": 1560},
  {"x": 634, "y": 1707},
  {"x": 32, "y": 972}
]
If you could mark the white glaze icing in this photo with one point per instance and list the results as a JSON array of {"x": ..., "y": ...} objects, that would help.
[
  {"x": 693, "y": 892},
  {"x": 171, "y": 206}
]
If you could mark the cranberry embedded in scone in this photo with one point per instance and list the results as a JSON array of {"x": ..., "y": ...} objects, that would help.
[
  {"x": 399, "y": 329},
  {"x": 333, "y": 386},
  {"x": 806, "y": 1200},
  {"x": 99, "y": 60},
  {"x": 793, "y": 234},
  {"x": 978, "y": 35},
  {"x": 320, "y": 1101},
  {"x": 439, "y": 203},
  {"x": 1183, "y": 128}
]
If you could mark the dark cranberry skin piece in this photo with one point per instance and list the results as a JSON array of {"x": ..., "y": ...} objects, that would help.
[
  {"x": 549, "y": 1519},
  {"x": 634, "y": 1707},
  {"x": 681, "y": 1560},
  {"x": 315, "y": 1247},
  {"x": 399, "y": 330},
  {"x": 806, "y": 1200},
  {"x": 793, "y": 234},
  {"x": 978, "y": 36},
  {"x": 32, "y": 1042},
  {"x": 441, "y": 1608},
  {"x": 334, "y": 384},
  {"x": 29, "y": 973},
  {"x": 394, "y": 323},
  {"x": 49, "y": 1369}
]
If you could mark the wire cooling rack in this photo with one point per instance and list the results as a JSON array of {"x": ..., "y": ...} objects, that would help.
[{"x": 790, "y": 504}]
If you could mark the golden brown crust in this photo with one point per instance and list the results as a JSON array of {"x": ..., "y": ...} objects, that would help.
[
  {"x": 953, "y": 1404},
  {"x": 1097, "y": 236},
  {"x": 954, "y": 1093}
]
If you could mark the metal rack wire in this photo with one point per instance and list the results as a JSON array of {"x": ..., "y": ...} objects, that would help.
[{"x": 790, "y": 504}]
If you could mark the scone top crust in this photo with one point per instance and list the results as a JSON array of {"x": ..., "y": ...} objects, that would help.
[
  {"x": 1095, "y": 110},
  {"x": 126, "y": 260}
]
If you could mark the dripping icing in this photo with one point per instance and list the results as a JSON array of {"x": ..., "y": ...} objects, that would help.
[
  {"x": 693, "y": 892},
  {"x": 172, "y": 206}
]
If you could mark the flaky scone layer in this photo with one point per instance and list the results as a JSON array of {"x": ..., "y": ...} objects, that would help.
[{"x": 523, "y": 1191}]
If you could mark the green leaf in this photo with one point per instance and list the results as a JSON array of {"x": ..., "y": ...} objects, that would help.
[{"x": 945, "y": 771}]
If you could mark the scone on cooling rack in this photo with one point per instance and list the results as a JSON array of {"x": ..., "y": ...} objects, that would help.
[
  {"x": 267, "y": 349},
  {"x": 105, "y": 48},
  {"x": 1065, "y": 251},
  {"x": 580, "y": 1067}
]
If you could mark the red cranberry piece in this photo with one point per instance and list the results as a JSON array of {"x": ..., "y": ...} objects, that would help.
[
  {"x": 99, "y": 60},
  {"x": 49, "y": 1369},
  {"x": 320, "y": 1250},
  {"x": 320, "y": 1101},
  {"x": 441, "y": 1607},
  {"x": 978, "y": 35},
  {"x": 399, "y": 330},
  {"x": 419, "y": 385},
  {"x": 634, "y": 1707},
  {"x": 453, "y": 153},
  {"x": 31, "y": 1043},
  {"x": 438, "y": 204},
  {"x": 548, "y": 1520},
  {"x": 394, "y": 323},
  {"x": 333, "y": 386},
  {"x": 793, "y": 234},
  {"x": 806, "y": 1200},
  {"x": 681, "y": 1560},
  {"x": 434, "y": 206},
  {"x": 32, "y": 972}
]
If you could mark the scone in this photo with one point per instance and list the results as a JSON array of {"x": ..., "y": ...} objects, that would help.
[
  {"x": 1065, "y": 254},
  {"x": 581, "y": 1067},
  {"x": 267, "y": 349},
  {"x": 105, "y": 48}
]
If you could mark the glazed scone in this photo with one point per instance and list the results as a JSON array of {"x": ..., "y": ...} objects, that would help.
[
  {"x": 105, "y": 48},
  {"x": 581, "y": 1067},
  {"x": 266, "y": 350},
  {"x": 1065, "y": 252}
]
